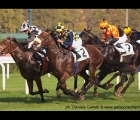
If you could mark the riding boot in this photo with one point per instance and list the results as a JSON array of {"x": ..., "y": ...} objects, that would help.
[
  {"x": 42, "y": 51},
  {"x": 77, "y": 55},
  {"x": 36, "y": 55}
]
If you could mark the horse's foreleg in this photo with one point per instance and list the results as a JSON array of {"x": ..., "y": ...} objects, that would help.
[
  {"x": 75, "y": 82},
  {"x": 120, "y": 89},
  {"x": 91, "y": 81},
  {"x": 84, "y": 75},
  {"x": 120, "y": 84},
  {"x": 30, "y": 86},
  {"x": 62, "y": 85},
  {"x": 107, "y": 84},
  {"x": 98, "y": 78},
  {"x": 39, "y": 85},
  {"x": 40, "y": 88},
  {"x": 131, "y": 79},
  {"x": 57, "y": 91}
]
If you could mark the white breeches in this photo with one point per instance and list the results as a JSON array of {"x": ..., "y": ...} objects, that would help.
[
  {"x": 121, "y": 39},
  {"x": 30, "y": 44},
  {"x": 77, "y": 43}
]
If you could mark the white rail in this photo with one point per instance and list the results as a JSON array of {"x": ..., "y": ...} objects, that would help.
[{"x": 8, "y": 59}]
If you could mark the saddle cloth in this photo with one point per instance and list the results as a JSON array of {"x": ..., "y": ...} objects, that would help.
[
  {"x": 81, "y": 51},
  {"x": 128, "y": 48},
  {"x": 138, "y": 41}
]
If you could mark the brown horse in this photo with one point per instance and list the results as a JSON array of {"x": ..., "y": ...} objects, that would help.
[
  {"x": 112, "y": 62},
  {"x": 62, "y": 64},
  {"x": 35, "y": 46},
  {"x": 26, "y": 64}
]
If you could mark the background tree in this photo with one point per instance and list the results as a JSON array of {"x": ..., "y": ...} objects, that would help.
[{"x": 10, "y": 20}]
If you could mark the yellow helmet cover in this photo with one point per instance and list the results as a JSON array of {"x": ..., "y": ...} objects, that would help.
[{"x": 127, "y": 30}]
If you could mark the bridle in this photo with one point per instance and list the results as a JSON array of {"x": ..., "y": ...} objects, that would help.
[
  {"x": 93, "y": 38},
  {"x": 2, "y": 49}
]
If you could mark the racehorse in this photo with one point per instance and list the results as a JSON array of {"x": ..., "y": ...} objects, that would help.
[
  {"x": 35, "y": 46},
  {"x": 26, "y": 64},
  {"x": 112, "y": 62},
  {"x": 62, "y": 64}
]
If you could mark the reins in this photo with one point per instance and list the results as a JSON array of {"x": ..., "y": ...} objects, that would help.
[
  {"x": 6, "y": 47},
  {"x": 10, "y": 42},
  {"x": 52, "y": 47}
]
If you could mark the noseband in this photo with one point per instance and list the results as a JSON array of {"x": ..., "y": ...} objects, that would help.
[{"x": 2, "y": 49}]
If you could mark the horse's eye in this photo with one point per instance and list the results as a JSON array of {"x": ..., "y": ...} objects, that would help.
[{"x": 5, "y": 43}]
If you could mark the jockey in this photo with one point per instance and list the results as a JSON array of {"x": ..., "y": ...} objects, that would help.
[
  {"x": 68, "y": 38},
  {"x": 33, "y": 32},
  {"x": 132, "y": 34},
  {"x": 117, "y": 35}
]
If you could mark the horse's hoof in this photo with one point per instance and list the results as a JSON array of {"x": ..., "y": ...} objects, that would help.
[
  {"x": 46, "y": 91},
  {"x": 75, "y": 90},
  {"x": 78, "y": 92},
  {"x": 119, "y": 94},
  {"x": 116, "y": 94},
  {"x": 109, "y": 86},
  {"x": 43, "y": 101},
  {"x": 105, "y": 85},
  {"x": 59, "y": 96},
  {"x": 95, "y": 94},
  {"x": 81, "y": 97}
]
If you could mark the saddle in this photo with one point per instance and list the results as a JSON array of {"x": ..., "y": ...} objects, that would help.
[
  {"x": 124, "y": 49},
  {"x": 82, "y": 52},
  {"x": 43, "y": 62}
]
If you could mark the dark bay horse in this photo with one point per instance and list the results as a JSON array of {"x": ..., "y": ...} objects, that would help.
[
  {"x": 112, "y": 62},
  {"x": 62, "y": 64},
  {"x": 26, "y": 64}
]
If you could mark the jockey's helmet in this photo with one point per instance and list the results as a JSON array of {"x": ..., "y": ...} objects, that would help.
[
  {"x": 103, "y": 24},
  {"x": 59, "y": 27},
  {"x": 24, "y": 26},
  {"x": 59, "y": 23},
  {"x": 127, "y": 30}
]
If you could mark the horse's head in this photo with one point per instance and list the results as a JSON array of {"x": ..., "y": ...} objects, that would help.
[
  {"x": 7, "y": 45},
  {"x": 38, "y": 40},
  {"x": 42, "y": 40},
  {"x": 89, "y": 38}
]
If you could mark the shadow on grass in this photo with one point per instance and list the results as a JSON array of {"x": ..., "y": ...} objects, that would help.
[
  {"x": 32, "y": 99},
  {"x": 101, "y": 96},
  {"x": 64, "y": 98}
]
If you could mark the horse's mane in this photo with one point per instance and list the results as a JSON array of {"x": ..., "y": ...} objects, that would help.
[
  {"x": 61, "y": 47},
  {"x": 15, "y": 40},
  {"x": 93, "y": 39},
  {"x": 19, "y": 44},
  {"x": 89, "y": 38}
]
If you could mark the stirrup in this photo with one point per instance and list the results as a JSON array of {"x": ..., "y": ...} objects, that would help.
[
  {"x": 123, "y": 53},
  {"x": 39, "y": 62},
  {"x": 38, "y": 70}
]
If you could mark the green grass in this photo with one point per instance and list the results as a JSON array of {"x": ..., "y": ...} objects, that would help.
[{"x": 13, "y": 98}]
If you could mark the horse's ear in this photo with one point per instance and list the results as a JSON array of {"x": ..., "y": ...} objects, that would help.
[
  {"x": 8, "y": 37},
  {"x": 89, "y": 29},
  {"x": 84, "y": 29}
]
